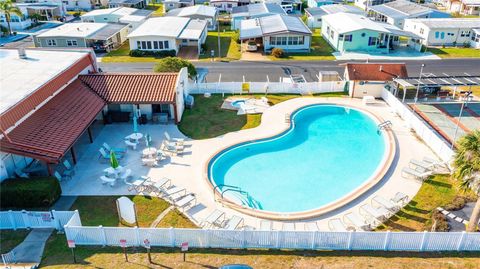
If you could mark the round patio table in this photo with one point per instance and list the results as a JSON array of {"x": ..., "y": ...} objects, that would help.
[
  {"x": 136, "y": 136},
  {"x": 112, "y": 171},
  {"x": 149, "y": 151}
]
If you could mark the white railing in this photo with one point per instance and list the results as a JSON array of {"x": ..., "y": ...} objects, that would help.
[
  {"x": 317, "y": 240},
  {"x": 34, "y": 219},
  {"x": 422, "y": 129},
  {"x": 266, "y": 87}
]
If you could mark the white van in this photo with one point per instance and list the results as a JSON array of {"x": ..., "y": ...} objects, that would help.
[{"x": 288, "y": 8}]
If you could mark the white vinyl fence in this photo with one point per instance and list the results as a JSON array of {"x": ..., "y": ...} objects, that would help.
[
  {"x": 423, "y": 129},
  {"x": 266, "y": 87},
  {"x": 34, "y": 219},
  {"x": 316, "y": 240}
]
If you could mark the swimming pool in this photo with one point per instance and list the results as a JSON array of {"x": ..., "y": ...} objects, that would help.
[
  {"x": 329, "y": 152},
  {"x": 237, "y": 103}
]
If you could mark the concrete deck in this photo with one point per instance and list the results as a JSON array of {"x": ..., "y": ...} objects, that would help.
[{"x": 189, "y": 170}]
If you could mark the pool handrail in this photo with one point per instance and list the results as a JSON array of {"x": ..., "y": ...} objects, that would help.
[{"x": 223, "y": 185}]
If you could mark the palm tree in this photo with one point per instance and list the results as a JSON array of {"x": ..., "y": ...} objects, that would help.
[
  {"x": 467, "y": 169},
  {"x": 8, "y": 9}
]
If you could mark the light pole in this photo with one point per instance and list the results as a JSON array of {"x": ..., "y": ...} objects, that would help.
[
  {"x": 464, "y": 104},
  {"x": 419, "y": 81},
  {"x": 218, "y": 30}
]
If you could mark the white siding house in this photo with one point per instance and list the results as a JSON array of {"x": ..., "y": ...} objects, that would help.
[
  {"x": 132, "y": 16},
  {"x": 315, "y": 14}
]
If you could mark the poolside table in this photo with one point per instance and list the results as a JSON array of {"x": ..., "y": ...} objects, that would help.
[
  {"x": 136, "y": 136},
  {"x": 113, "y": 171},
  {"x": 150, "y": 152}
]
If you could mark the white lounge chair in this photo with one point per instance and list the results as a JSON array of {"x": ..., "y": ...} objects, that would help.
[
  {"x": 108, "y": 180},
  {"x": 61, "y": 177},
  {"x": 171, "y": 148},
  {"x": 423, "y": 165},
  {"x": 422, "y": 174},
  {"x": 178, "y": 141},
  {"x": 311, "y": 226},
  {"x": 355, "y": 221},
  {"x": 187, "y": 200},
  {"x": 336, "y": 225},
  {"x": 131, "y": 144},
  {"x": 175, "y": 193},
  {"x": 160, "y": 186},
  {"x": 376, "y": 214},
  {"x": 116, "y": 150},
  {"x": 234, "y": 223},
  {"x": 288, "y": 226},
  {"x": 137, "y": 185},
  {"x": 216, "y": 218},
  {"x": 434, "y": 162},
  {"x": 265, "y": 225},
  {"x": 400, "y": 198},
  {"x": 388, "y": 204}
]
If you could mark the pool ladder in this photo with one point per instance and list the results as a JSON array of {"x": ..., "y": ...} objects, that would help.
[
  {"x": 385, "y": 125},
  {"x": 244, "y": 197},
  {"x": 287, "y": 118}
]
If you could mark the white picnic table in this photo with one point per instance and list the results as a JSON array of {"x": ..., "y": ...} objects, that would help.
[
  {"x": 136, "y": 136},
  {"x": 151, "y": 151},
  {"x": 114, "y": 171}
]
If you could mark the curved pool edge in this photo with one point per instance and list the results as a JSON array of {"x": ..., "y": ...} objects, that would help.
[{"x": 377, "y": 176}]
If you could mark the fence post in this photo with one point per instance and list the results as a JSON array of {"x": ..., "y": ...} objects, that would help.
[
  {"x": 350, "y": 239},
  {"x": 460, "y": 241},
  {"x": 424, "y": 240},
  {"x": 277, "y": 243},
  {"x": 244, "y": 238},
  {"x": 56, "y": 219},
  {"x": 12, "y": 220},
  {"x": 26, "y": 220},
  {"x": 386, "y": 242},
  {"x": 104, "y": 235},
  {"x": 206, "y": 233},
  {"x": 172, "y": 236},
  {"x": 314, "y": 233},
  {"x": 137, "y": 236}
]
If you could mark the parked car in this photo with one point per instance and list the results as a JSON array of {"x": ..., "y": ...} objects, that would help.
[
  {"x": 252, "y": 46},
  {"x": 288, "y": 8}
]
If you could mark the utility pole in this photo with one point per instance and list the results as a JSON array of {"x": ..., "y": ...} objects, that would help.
[{"x": 218, "y": 31}]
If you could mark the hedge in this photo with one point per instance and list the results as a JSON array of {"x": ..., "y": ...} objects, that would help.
[
  {"x": 23, "y": 193},
  {"x": 159, "y": 54}
]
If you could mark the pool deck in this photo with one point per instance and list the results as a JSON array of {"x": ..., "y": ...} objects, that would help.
[{"x": 189, "y": 170}]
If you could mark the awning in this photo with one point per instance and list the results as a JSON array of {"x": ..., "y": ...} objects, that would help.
[
  {"x": 434, "y": 81},
  {"x": 51, "y": 131}
]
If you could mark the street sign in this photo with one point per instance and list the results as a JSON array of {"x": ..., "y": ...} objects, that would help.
[
  {"x": 184, "y": 246},
  {"x": 123, "y": 243},
  {"x": 71, "y": 243},
  {"x": 146, "y": 242}
]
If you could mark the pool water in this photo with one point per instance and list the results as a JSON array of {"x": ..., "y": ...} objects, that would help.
[
  {"x": 329, "y": 152},
  {"x": 237, "y": 103}
]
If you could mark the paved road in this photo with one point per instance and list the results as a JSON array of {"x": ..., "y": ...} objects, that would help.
[{"x": 258, "y": 71}]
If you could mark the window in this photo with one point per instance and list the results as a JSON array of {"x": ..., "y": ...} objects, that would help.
[
  {"x": 149, "y": 45},
  {"x": 165, "y": 44},
  {"x": 421, "y": 31},
  {"x": 363, "y": 34},
  {"x": 332, "y": 34},
  {"x": 144, "y": 45},
  {"x": 72, "y": 43},
  {"x": 437, "y": 35},
  {"x": 155, "y": 45},
  {"x": 319, "y": 20},
  {"x": 372, "y": 41},
  {"x": 51, "y": 42},
  {"x": 465, "y": 33},
  {"x": 348, "y": 38},
  {"x": 160, "y": 45},
  {"x": 340, "y": 37},
  {"x": 229, "y": 5},
  {"x": 442, "y": 35},
  {"x": 139, "y": 45}
]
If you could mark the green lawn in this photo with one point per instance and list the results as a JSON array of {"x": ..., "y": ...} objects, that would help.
[
  {"x": 207, "y": 119},
  {"x": 121, "y": 55},
  {"x": 229, "y": 49},
  {"x": 176, "y": 219},
  {"x": 9, "y": 239},
  {"x": 439, "y": 190},
  {"x": 455, "y": 52},
  {"x": 320, "y": 50}
]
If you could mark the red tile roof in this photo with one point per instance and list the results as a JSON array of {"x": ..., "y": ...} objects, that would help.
[
  {"x": 51, "y": 130},
  {"x": 136, "y": 88},
  {"x": 376, "y": 71},
  {"x": 22, "y": 108}
]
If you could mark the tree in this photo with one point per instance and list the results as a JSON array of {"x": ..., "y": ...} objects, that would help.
[
  {"x": 9, "y": 9},
  {"x": 174, "y": 64},
  {"x": 467, "y": 169}
]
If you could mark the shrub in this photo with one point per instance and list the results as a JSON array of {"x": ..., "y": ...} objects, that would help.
[
  {"x": 457, "y": 203},
  {"x": 278, "y": 53},
  {"x": 30, "y": 193},
  {"x": 440, "y": 222},
  {"x": 148, "y": 53},
  {"x": 174, "y": 64}
]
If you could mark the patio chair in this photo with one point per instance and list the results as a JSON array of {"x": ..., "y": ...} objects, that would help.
[
  {"x": 138, "y": 185},
  {"x": 311, "y": 226},
  {"x": 178, "y": 141},
  {"x": 434, "y": 162},
  {"x": 116, "y": 150},
  {"x": 216, "y": 218},
  {"x": 131, "y": 144},
  {"x": 171, "y": 148},
  {"x": 234, "y": 223},
  {"x": 422, "y": 174},
  {"x": 388, "y": 204},
  {"x": 288, "y": 226},
  {"x": 105, "y": 156},
  {"x": 375, "y": 214},
  {"x": 353, "y": 220},
  {"x": 266, "y": 225},
  {"x": 423, "y": 165},
  {"x": 336, "y": 225},
  {"x": 174, "y": 193},
  {"x": 160, "y": 186},
  {"x": 108, "y": 180},
  {"x": 400, "y": 199},
  {"x": 152, "y": 162},
  {"x": 187, "y": 200},
  {"x": 60, "y": 177},
  {"x": 68, "y": 168}
]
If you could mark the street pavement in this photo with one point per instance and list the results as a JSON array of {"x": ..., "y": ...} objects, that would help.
[{"x": 258, "y": 71}]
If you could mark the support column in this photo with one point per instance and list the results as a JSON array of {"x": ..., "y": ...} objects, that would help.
[
  {"x": 90, "y": 137},
  {"x": 49, "y": 169},
  {"x": 74, "y": 157}
]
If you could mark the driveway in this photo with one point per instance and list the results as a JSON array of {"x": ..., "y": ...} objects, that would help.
[{"x": 188, "y": 53}]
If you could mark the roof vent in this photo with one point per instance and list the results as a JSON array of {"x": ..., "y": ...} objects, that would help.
[
  {"x": 381, "y": 68},
  {"x": 21, "y": 53}
]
